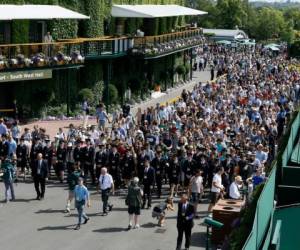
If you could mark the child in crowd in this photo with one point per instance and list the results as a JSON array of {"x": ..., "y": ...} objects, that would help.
[{"x": 159, "y": 211}]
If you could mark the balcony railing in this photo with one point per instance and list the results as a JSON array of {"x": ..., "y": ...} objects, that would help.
[
  {"x": 152, "y": 46},
  {"x": 65, "y": 52}
]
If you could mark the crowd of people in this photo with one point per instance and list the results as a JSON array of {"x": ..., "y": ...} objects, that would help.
[{"x": 220, "y": 136}]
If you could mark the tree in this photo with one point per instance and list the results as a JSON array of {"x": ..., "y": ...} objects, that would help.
[
  {"x": 209, "y": 20},
  {"x": 292, "y": 15},
  {"x": 230, "y": 13},
  {"x": 270, "y": 24}
]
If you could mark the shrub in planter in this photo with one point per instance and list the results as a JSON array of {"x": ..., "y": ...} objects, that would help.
[
  {"x": 86, "y": 94},
  {"x": 187, "y": 68},
  {"x": 180, "y": 69},
  {"x": 113, "y": 94}
]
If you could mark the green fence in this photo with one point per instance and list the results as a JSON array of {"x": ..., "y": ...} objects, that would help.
[
  {"x": 265, "y": 204},
  {"x": 287, "y": 154},
  {"x": 263, "y": 214}
]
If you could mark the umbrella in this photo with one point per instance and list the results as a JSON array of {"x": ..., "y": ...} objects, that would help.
[{"x": 225, "y": 42}]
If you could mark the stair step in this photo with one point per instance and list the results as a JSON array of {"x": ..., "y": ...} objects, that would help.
[
  {"x": 288, "y": 194},
  {"x": 291, "y": 176}
]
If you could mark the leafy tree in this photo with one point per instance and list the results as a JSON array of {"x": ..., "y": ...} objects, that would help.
[
  {"x": 230, "y": 13},
  {"x": 270, "y": 23},
  {"x": 292, "y": 15}
]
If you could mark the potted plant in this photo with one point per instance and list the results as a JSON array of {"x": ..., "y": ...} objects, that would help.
[
  {"x": 60, "y": 58},
  {"x": 2, "y": 62}
]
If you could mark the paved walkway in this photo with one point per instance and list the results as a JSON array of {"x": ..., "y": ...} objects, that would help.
[
  {"x": 52, "y": 126},
  {"x": 28, "y": 224}
]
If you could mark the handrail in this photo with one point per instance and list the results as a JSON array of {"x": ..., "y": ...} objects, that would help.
[
  {"x": 172, "y": 33},
  {"x": 96, "y": 39},
  {"x": 65, "y": 42}
]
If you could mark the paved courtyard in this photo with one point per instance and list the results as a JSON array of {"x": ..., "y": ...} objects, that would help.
[{"x": 28, "y": 224}]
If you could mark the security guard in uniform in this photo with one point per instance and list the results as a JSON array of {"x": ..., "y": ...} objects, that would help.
[
  {"x": 127, "y": 166},
  {"x": 21, "y": 154},
  {"x": 159, "y": 165},
  {"x": 61, "y": 156},
  {"x": 114, "y": 165},
  {"x": 77, "y": 153},
  {"x": 100, "y": 159},
  {"x": 36, "y": 148},
  {"x": 48, "y": 154},
  {"x": 89, "y": 159},
  {"x": 148, "y": 182}
]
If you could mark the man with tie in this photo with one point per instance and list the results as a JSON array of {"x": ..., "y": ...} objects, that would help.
[
  {"x": 148, "y": 182},
  {"x": 185, "y": 221},
  {"x": 39, "y": 173},
  {"x": 106, "y": 185}
]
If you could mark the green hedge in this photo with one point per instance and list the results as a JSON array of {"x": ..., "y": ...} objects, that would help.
[{"x": 94, "y": 26}]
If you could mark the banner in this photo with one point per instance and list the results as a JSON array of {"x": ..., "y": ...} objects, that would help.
[{"x": 25, "y": 75}]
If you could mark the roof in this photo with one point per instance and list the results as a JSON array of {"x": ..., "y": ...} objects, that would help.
[
  {"x": 153, "y": 11},
  {"x": 39, "y": 12},
  {"x": 225, "y": 33}
]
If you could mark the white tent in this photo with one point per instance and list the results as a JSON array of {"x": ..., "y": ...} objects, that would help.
[
  {"x": 153, "y": 11},
  {"x": 37, "y": 12}
]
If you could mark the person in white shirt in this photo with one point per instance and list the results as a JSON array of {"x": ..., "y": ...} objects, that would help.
[
  {"x": 234, "y": 192},
  {"x": 196, "y": 189},
  {"x": 216, "y": 188},
  {"x": 106, "y": 185}
]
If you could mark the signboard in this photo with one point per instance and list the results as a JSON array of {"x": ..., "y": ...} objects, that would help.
[{"x": 25, "y": 75}]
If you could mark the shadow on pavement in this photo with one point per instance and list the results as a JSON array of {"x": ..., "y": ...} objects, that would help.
[
  {"x": 121, "y": 209},
  {"x": 66, "y": 227},
  {"x": 149, "y": 225},
  {"x": 198, "y": 239},
  {"x": 24, "y": 200},
  {"x": 76, "y": 215},
  {"x": 110, "y": 230},
  {"x": 50, "y": 211}
]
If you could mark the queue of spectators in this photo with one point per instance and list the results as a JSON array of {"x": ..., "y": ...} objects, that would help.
[{"x": 220, "y": 135}]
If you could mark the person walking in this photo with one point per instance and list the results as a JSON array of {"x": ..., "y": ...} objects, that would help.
[
  {"x": 101, "y": 116},
  {"x": 106, "y": 185},
  {"x": 134, "y": 202},
  {"x": 9, "y": 174},
  {"x": 196, "y": 190},
  {"x": 82, "y": 199},
  {"x": 39, "y": 171},
  {"x": 217, "y": 188},
  {"x": 185, "y": 221},
  {"x": 72, "y": 180}
]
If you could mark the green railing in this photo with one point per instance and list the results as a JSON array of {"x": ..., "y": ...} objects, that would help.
[
  {"x": 153, "y": 46},
  {"x": 261, "y": 232},
  {"x": 292, "y": 139},
  {"x": 263, "y": 214}
]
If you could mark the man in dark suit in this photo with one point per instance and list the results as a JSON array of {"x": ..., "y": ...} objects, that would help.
[
  {"x": 148, "y": 182},
  {"x": 39, "y": 174},
  {"x": 185, "y": 221}
]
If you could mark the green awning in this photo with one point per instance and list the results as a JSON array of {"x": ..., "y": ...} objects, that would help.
[{"x": 224, "y": 42}]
